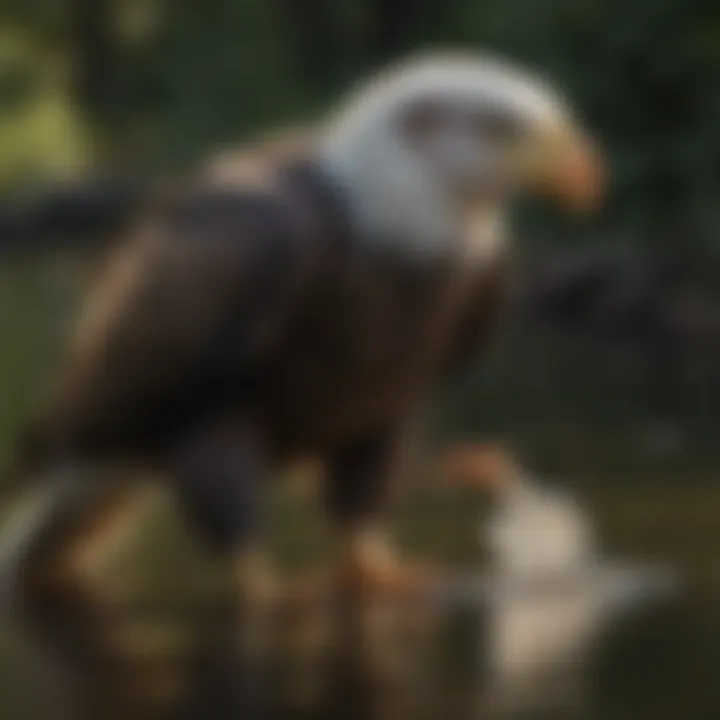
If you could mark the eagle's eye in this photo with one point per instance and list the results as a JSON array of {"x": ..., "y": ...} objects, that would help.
[
  {"x": 421, "y": 120},
  {"x": 496, "y": 125}
]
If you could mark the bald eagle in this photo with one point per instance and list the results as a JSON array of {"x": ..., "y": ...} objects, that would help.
[{"x": 306, "y": 308}]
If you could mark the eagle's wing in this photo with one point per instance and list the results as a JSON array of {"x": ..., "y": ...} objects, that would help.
[{"x": 203, "y": 288}]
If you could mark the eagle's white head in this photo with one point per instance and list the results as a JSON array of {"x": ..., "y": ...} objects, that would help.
[{"x": 437, "y": 140}]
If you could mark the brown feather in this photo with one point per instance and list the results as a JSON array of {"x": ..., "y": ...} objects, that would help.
[{"x": 261, "y": 305}]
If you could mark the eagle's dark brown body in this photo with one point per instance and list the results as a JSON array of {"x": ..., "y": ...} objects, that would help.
[{"x": 261, "y": 307}]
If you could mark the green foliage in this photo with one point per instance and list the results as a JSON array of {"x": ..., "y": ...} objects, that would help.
[{"x": 36, "y": 300}]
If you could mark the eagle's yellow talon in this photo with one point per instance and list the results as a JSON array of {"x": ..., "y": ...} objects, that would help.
[{"x": 371, "y": 568}]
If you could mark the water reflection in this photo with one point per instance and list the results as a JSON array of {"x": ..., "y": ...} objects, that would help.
[
  {"x": 550, "y": 594},
  {"x": 654, "y": 654}
]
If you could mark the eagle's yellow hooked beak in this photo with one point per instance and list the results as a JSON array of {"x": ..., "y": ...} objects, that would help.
[
  {"x": 579, "y": 177},
  {"x": 566, "y": 164}
]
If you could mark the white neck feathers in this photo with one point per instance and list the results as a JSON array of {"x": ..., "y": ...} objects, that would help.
[
  {"x": 396, "y": 204},
  {"x": 392, "y": 200}
]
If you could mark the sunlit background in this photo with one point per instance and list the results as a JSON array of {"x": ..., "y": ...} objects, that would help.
[{"x": 608, "y": 380}]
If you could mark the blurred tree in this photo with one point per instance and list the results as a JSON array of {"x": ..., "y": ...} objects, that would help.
[{"x": 162, "y": 82}]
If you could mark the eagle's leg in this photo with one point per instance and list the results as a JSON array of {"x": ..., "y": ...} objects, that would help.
[
  {"x": 370, "y": 580},
  {"x": 69, "y": 605},
  {"x": 219, "y": 479},
  {"x": 357, "y": 487}
]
